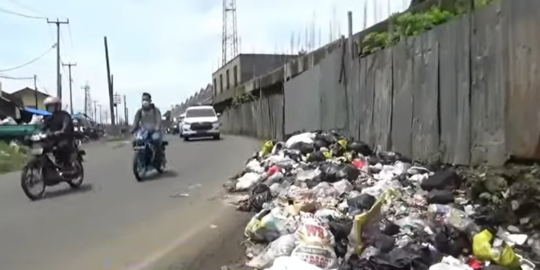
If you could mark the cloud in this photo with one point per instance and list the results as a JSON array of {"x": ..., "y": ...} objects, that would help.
[{"x": 168, "y": 47}]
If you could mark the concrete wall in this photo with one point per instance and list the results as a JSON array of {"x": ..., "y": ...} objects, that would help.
[
  {"x": 255, "y": 65},
  {"x": 465, "y": 92},
  {"x": 248, "y": 66},
  {"x": 219, "y": 78}
]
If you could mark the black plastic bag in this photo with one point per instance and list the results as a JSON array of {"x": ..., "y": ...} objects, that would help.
[
  {"x": 385, "y": 243},
  {"x": 327, "y": 138},
  {"x": 328, "y": 172},
  {"x": 440, "y": 197},
  {"x": 441, "y": 180},
  {"x": 317, "y": 156},
  {"x": 259, "y": 195},
  {"x": 305, "y": 148},
  {"x": 360, "y": 148},
  {"x": 449, "y": 240},
  {"x": 318, "y": 144},
  {"x": 387, "y": 158},
  {"x": 388, "y": 227},
  {"x": 362, "y": 202},
  {"x": 411, "y": 257},
  {"x": 341, "y": 228},
  {"x": 348, "y": 172}
]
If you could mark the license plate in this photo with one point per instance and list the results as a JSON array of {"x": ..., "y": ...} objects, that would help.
[
  {"x": 36, "y": 151},
  {"x": 138, "y": 148}
]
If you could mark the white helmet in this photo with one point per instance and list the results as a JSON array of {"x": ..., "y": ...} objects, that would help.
[
  {"x": 52, "y": 104},
  {"x": 52, "y": 101}
]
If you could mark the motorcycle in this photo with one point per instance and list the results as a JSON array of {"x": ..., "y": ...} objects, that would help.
[
  {"x": 145, "y": 155},
  {"x": 42, "y": 169}
]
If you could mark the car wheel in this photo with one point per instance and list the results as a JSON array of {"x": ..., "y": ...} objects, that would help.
[
  {"x": 186, "y": 138},
  {"x": 217, "y": 137}
]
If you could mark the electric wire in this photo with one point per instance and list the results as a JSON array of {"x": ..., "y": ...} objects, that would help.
[
  {"x": 31, "y": 61},
  {"x": 24, "y": 6},
  {"x": 15, "y": 78},
  {"x": 3, "y": 10}
]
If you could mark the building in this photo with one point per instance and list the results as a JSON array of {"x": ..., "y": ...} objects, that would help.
[
  {"x": 9, "y": 105},
  {"x": 29, "y": 98},
  {"x": 245, "y": 67}
]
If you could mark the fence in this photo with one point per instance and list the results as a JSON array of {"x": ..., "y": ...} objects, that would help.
[
  {"x": 467, "y": 91},
  {"x": 261, "y": 119}
]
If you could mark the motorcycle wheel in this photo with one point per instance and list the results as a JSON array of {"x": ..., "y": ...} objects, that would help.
[
  {"x": 33, "y": 175},
  {"x": 138, "y": 168},
  {"x": 161, "y": 168},
  {"x": 77, "y": 182}
]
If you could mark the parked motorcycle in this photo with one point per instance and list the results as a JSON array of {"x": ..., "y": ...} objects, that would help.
[
  {"x": 145, "y": 155},
  {"x": 42, "y": 169}
]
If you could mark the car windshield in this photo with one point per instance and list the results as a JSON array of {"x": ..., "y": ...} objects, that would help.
[{"x": 200, "y": 113}]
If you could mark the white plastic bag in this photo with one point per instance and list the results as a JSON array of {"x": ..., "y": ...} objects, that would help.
[
  {"x": 314, "y": 231},
  {"x": 307, "y": 137},
  {"x": 323, "y": 257},
  {"x": 254, "y": 166},
  {"x": 343, "y": 186},
  {"x": 282, "y": 246},
  {"x": 247, "y": 181},
  {"x": 290, "y": 263}
]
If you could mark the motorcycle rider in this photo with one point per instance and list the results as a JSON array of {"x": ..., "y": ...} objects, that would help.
[
  {"x": 59, "y": 126},
  {"x": 149, "y": 118}
]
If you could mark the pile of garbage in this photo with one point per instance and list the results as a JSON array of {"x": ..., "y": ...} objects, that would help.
[
  {"x": 326, "y": 202},
  {"x": 9, "y": 121}
]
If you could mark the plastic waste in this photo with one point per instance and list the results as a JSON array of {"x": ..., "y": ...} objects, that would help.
[
  {"x": 483, "y": 250},
  {"x": 247, "y": 181},
  {"x": 343, "y": 187},
  {"x": 283, "y": 246},
  {"x": 445, "y": 214},
  {"x": 291, "y": 263},
  {"x": 303, "y": 137}
]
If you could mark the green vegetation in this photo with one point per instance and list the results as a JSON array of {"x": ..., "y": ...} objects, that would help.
[
  {"x": 12, "y": 157},
  {"x": 415, "y": 23},
  {"x": 242, "y": 98}
]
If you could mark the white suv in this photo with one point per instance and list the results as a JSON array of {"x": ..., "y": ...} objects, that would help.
[{"x": 200, "y": 121}]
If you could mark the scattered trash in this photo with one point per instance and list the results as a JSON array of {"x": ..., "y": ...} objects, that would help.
[
  {"x": 323, "y": 201},
  {"x": 180, "y": 195},
  {"x": 213, "y": 226}
]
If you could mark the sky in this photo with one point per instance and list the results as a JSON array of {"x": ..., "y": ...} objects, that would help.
[{"x": 166, "y": 47}]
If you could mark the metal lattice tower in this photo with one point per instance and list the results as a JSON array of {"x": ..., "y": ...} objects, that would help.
[{"x": 229, "y": 39}]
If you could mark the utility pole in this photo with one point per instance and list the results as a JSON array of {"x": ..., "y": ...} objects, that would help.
[
  {"x": 125, "y": 111},
  {"x": 110, "y": 81},
  {"x": 58, "y": 75},
  {"x": 100, "y": 114},
  {"x": 36, "y": 91},
  {"x": 87, "y": 100},
  {"x": 117, "y": 100},
  {"x": 69, "y": 65},
  {"x": 95, "y": 110}
]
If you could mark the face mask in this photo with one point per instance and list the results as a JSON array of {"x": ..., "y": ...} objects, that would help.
[
  {"x": 50, "y": 108},
  {"x": 145, "y": 103}
]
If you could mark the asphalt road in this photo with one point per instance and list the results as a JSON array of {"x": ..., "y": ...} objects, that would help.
[{"x": 114, "y": 222}]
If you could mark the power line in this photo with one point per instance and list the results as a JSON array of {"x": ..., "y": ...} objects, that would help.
[
  {"x": 71, "y": 37},
  {"x": 21, "y": 14},
  {"x": 25, "y": 6},
  {"x": 42, "y": 87},
  {"x": 15, "y": 78},
  {"x": 31, "y": 61}
]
